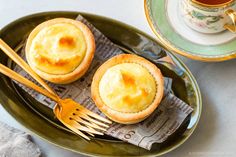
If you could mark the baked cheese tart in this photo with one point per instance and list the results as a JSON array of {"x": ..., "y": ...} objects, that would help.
[
  {"x": 60, "y": 50},
  {"x": 127, "y": 88}
]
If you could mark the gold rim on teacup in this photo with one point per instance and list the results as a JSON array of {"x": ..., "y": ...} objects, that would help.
[{"x": 210, "y": 5}]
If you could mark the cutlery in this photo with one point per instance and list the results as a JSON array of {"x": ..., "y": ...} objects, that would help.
[{"x": 70, "y": 113}]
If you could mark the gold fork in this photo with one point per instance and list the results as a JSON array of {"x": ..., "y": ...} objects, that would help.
[{"x": 70, "y": 113}]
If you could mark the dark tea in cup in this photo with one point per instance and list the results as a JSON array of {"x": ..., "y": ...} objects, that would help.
[{"x": 213, "y": 2}]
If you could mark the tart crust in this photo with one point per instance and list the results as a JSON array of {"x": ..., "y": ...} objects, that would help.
[
  {"x": 80, "y": 70},
  {"x": 127, "y": 117}
]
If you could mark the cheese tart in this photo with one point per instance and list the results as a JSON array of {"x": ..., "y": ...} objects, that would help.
[
  {"x": 60, "y": 50},
  {"x": 127, "y": 88}
]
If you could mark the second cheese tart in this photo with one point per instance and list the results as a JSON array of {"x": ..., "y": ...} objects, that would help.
[
  {"x": 60, "y": 50},
  {"x": 127, "y": 88}
]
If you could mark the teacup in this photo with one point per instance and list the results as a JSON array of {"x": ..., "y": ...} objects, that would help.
[{"x": 209, "y": 16}]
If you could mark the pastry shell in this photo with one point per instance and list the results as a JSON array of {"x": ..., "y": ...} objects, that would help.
[
  {"x": 83, "y": 66},
  {"x": 124, "y": 117}
]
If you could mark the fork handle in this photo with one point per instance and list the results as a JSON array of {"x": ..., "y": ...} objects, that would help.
[
  {"x": 18, "y": 60},
  {"x": 15, "y": 76}
]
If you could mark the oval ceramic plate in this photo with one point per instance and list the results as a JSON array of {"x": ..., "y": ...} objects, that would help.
[
  {"x": 40, "y": 119},
  {"x": 167, "y": 23}
]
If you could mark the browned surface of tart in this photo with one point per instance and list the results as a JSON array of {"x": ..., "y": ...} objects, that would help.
[
  {"x": 60, "y": 50},
  {"x": 127, "y": 88}
]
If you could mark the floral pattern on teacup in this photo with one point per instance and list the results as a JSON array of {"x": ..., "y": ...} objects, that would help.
[
  {"x": 201, "y": 20},
  {"x": 204, "y": 21}
]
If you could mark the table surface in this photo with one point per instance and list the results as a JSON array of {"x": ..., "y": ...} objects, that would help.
[{"x": 215, "y": 135}]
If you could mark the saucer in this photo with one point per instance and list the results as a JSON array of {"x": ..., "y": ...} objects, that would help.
[{"x": 166, "y": 21}]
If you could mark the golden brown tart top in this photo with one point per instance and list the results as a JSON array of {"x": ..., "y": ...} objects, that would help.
[
  {"x": 127, "y": 88},
  {"x": 60, "y": 50}
]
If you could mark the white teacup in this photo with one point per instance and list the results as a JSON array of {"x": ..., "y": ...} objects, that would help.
[{"x": 207, "y": 18}]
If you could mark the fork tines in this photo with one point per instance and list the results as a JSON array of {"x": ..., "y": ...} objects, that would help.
[
  {"x": 83, "y": 117},
  {"x": 85, "y": 120}
]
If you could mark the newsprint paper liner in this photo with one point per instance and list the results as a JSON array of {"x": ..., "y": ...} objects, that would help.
[{"x": 165, "y": 120}]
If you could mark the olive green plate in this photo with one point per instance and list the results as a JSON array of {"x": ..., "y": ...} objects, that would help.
[
  {"x": 166, "y": 21},
  {"x": 40, "y": 120}
]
